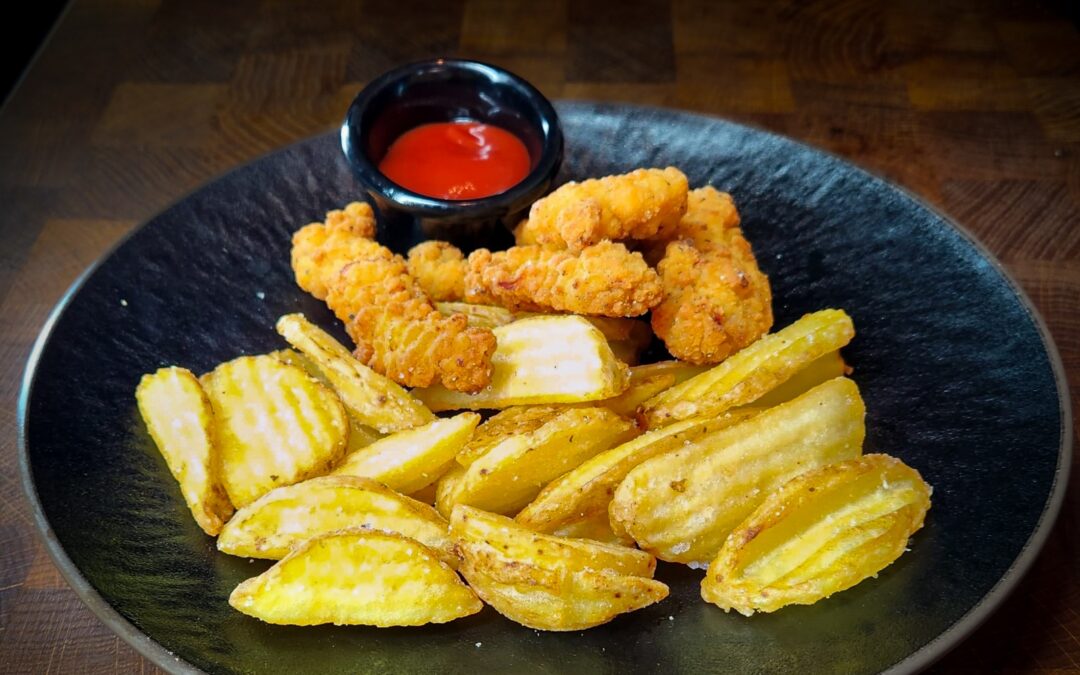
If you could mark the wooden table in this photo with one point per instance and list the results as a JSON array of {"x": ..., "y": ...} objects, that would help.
[{"x": 973, "y": 105}]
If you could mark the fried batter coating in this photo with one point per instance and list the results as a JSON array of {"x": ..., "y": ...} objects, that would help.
[
  {"x": 396, "y": 327},
  {"x": 320, "y": 250},
  {"x": 439, "y": 268},
  {"x": 642, "y": 204},
  {"x": 716, "y": 301},
  {"x": 605, "y": 279}
]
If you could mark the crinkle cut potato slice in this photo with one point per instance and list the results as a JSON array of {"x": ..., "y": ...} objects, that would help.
[
  {"x": 822, "y": 532},
  {"x": 753, "y": 371},
  {"x": 374, "y": 400},
  {"x": 545, "y": 582},
  {"x": 276, "y": 425},
  {"x": 283, "y": 518},
  {"x": 511, "y": 473},
  {"x": 180, "y": 420},
  {"x": 409, "y": 461},
  {"x": 511, "y": 422},
  {"x": 357, "y": 577},
  {"x": 541, "y": 360},
  {"x": 681, "y": 506}
]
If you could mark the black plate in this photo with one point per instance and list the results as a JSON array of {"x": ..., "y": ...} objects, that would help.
[{"x": 960, "y": 377}]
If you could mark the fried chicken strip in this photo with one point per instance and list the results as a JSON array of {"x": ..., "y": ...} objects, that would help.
[
  {"x": 716, "y": 299},
  {"x": 396, "y": 327},
  {"x": 439, "y": 268},
  {"x": 605, "y": 279},
  {"x": 642, "y": 204}
]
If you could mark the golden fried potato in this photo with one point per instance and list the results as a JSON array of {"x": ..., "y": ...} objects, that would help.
[
  {"x": 595, "y": 526},
  {"x": 640, "y": 390},
  {"x": 276, "y": 425},
  {"x": 479, "y": 316},
  {"x": 180, "y": 420},
  {"x": 550, "y": 583},
  {"x": 748, "y": 374},
  {"x": 822, "y": 532},
  {"x": 550, "y": 359},
  {"x": 522, "y": 419},
  {"x": 821, "y": 369},
  {"x": 357, "y": 577},
  {"x": 371, "y": 398},
  {"x": 587, "y": 489},
  {"x": 627, "y": 337},
  {"x": 281, "y": 519},
  {"x": 411, "y": 460},
  {"x": 681, "y": 505},
  {"x": 682, "y": 370},
  {"x": 511, "y": 473}
]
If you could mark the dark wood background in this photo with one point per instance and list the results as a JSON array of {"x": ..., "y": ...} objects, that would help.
[{"x": 972, "y": 104}]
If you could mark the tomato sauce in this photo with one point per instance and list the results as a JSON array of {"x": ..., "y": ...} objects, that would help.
[{"x": 456, "y": 160}]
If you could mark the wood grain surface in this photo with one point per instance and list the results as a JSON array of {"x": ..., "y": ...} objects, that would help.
[{"x": 972, "y": 104}]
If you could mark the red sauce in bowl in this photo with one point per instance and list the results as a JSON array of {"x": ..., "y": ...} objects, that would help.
[{"x": 456, "y": 160}]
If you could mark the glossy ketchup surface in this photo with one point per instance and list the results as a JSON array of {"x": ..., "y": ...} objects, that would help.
[{"x": 456, "y": 160}]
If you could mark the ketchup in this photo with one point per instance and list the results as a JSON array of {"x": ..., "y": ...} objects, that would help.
[{"x": 456, "y": 160}]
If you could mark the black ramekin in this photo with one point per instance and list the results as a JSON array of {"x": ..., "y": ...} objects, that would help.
[{"x": 443, "y": 90}]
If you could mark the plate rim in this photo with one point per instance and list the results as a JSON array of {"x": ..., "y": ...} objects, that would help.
[{"x": 918, "y": 660}]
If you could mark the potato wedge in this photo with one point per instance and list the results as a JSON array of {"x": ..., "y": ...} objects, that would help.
[
  {"x": 587, "y": 489},
  {"x": 682, "y": 505},
  {"x": 639, "y": 391},
  {"x": 371, "y": 398},
  {"x": 822, "y": 532},
  {"x": 510, "y": 474},
  {"x": 546, "y": 582},
  {"x": 821, "y": 369},
  {"x": 556, "y": 359},
  {"x": 751, "y": 372},
  {"x": 271, "y": 526},
  {"x": 596, "y": 526},
  {"x": 479, "y": 316},
  {"x": 514, "y": 542},
  {"x": 409, "y": 461},
  {"x": 180, "y": 420},
  {"x": 357, "y": 577},
  {"x": 682, "y": 370},
  {"x": 627, "y": 338},
  {"x": 276, "y": 425},
  {"x": 514, "y": 421}
]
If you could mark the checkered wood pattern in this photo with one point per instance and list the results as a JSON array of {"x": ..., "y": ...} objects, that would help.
[{"x": 972, "y": 104}]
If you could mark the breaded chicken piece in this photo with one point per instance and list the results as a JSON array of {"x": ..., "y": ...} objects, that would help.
[
  {"x": 716, "y": 301},
  {"x": 642, "y": 204},
  {"x": 439, "y": 268},
  {"x": 320, "y": 250},
  {"x": 397, "y": 330},
  {"x": 709, "y": 219},
  {"x": 605, "y": 279}
]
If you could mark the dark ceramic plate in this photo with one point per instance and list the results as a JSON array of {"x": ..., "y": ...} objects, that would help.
[{"x": 960, "y": 377}]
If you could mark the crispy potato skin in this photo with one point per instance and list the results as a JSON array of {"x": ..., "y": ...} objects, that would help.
[
  {"x": 822, "y": 532},
  {"x": 605, "y": 279},
  {"x": 396, "y": 327},
  {"x": 179, "y": 417},
  {"x": 642, "y": 204},
  {"x": 357, "y": 577},
  {"x": 439, "y": 268}
]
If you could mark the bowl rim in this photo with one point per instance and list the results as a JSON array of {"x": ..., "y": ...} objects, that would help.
[{"x": 368, "y": 174}]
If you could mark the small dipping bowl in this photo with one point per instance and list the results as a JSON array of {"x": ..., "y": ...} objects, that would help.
[{"x": 447, "y": 90}]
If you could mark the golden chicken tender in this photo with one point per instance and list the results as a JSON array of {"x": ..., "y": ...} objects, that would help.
[
  {"x": 587, "y": 489},
  {"x": 273, "y": 525},
  {"x": 543, "y": 360},
  {"x": 549, "y": 583},
  {"x": 320, "y": 250},
  {"x": 511, "y": 422},
  {"x": 372, "y": 399},
  {"x": 180, "y": 419},
  {"x": 642, "y": 204},
  {"x": 411, "y": 460},
  {"x": 511, "y": 473},
  {"x": 605, "y": 279},
  {"x": 439, "y": 267},
  {"x": 479, "y": 316},
  {"x": 357, "y": 577},
  {"x": 822, "y": 532},
  {"x": 753, "y": 371},
  {"x": 276, "y": 425},
  {"x": 710, "y": 219},
  {"x": 681, "y": 506}
]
